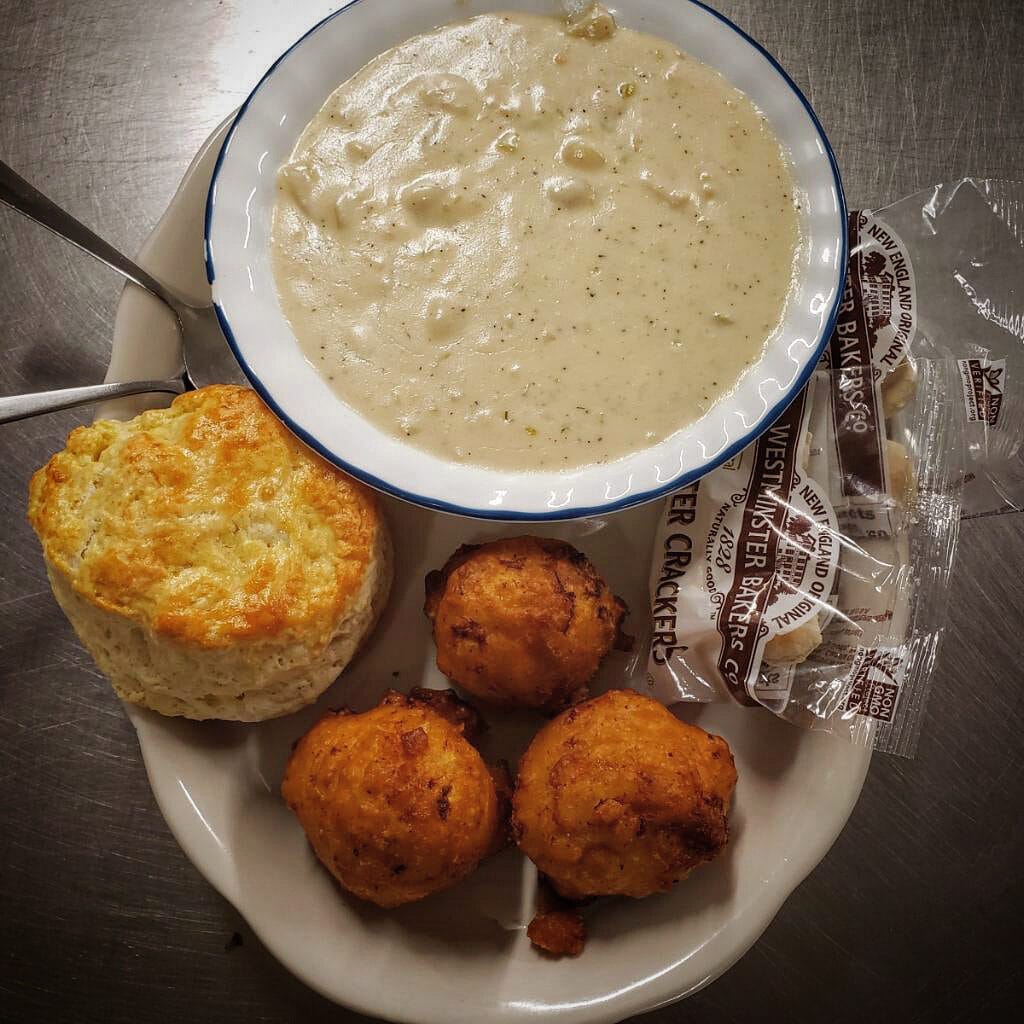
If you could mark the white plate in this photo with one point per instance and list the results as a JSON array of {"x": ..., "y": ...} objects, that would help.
[
  {"x": 238, "y": 231},
  {"x": 462, "y": 956}
]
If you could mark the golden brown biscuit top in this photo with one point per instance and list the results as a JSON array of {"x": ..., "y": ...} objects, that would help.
[{"x": 207, "y": 522}]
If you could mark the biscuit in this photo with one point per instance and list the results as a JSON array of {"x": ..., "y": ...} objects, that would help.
[{"x": 213, "y": 565}]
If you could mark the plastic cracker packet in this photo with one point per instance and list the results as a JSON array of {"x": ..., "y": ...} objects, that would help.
[
  {"x": 808, "y": 574},
  {"x": 941, "y": 273}
]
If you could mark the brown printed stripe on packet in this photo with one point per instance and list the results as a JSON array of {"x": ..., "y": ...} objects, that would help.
[
  {"x": 740, "y": 619},
  {"x": 855, "y": 398}
]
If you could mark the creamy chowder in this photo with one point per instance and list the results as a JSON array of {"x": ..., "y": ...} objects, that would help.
[{"x": 531, "y": 244}]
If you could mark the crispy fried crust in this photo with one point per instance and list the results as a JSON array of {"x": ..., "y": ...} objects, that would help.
[
  {"x": 522, "y": 622},
  {"x": 396, "y": 802},
  {"x": 448, "y": 705},
  {"x": 616, "y": 796},
  {"x": 558, "y": 932},
  {"x": 206, "y": 522},
  {"x": 502, "y": 780}
]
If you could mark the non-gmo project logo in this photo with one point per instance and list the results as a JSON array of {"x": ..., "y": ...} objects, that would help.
[{"x": 875, "y": 682}]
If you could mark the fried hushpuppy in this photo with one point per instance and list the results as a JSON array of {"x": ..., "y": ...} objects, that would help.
[
  {"x": 213, "y": 565},
  {"x": 396, "y": 802},
  {"x": 522, "y": 622},
  {"x": 617, "y": 797}
]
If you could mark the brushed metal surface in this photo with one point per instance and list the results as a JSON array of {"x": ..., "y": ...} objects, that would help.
[{"x": 913, "y": 915}]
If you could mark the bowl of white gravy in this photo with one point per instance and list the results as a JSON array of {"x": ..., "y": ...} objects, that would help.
[{"x": 514, "y": 264}]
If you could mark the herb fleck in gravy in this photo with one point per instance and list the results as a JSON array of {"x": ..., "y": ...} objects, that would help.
[{"x": 530, "y": 244}]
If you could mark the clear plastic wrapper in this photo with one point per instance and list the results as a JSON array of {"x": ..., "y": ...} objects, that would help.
[
  {"x": 941, "y": 273},
  {"x": 808, "y": 575}
]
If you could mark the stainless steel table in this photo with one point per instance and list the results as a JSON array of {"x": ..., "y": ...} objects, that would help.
[{"x": 914, "y": 915}]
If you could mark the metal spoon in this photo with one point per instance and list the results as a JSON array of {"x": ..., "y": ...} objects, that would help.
[{"x": 206, "y": 358}]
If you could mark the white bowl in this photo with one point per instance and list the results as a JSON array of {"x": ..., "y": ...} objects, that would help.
[{"x": 238, "y": 223}]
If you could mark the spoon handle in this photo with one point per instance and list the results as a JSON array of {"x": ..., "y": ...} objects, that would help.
[
  {"x": 19, "y": 195},
  {"x": 21, "y": 407}
]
